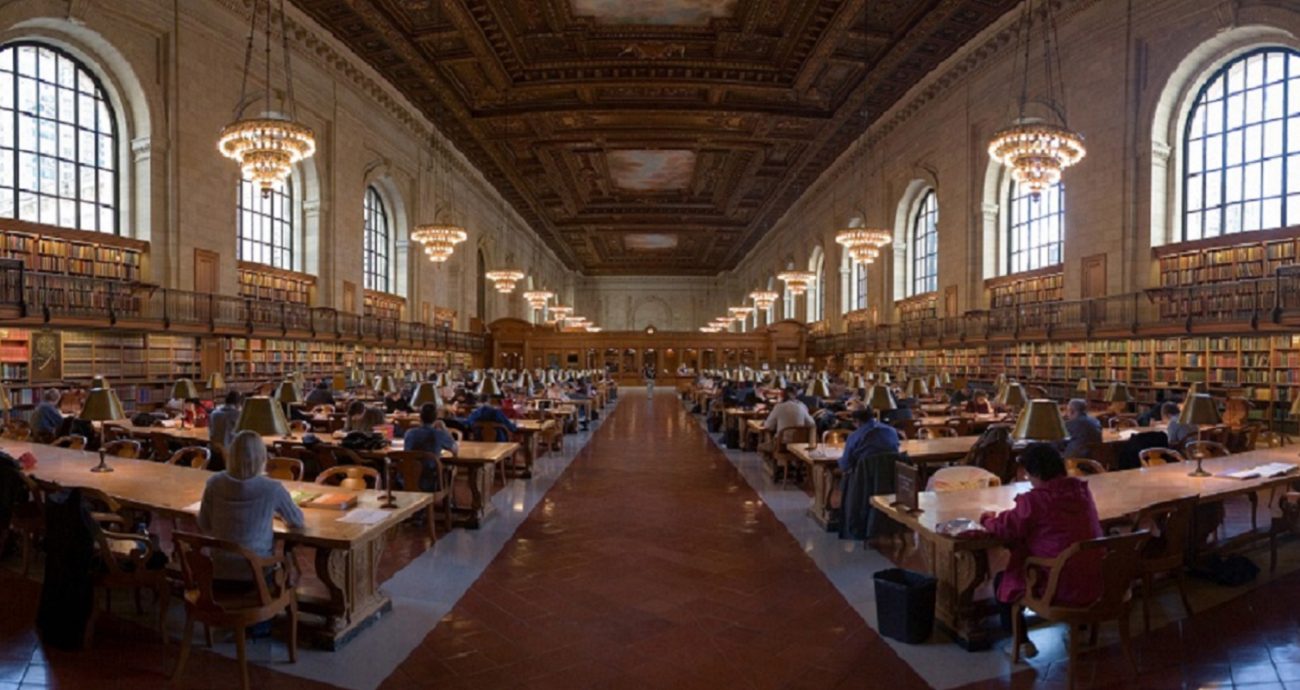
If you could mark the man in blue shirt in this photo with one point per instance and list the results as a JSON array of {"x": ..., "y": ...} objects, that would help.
[
  {"x": 1084, "y": 431},
  {"x": 871, "y": 438},
  {"x": 430, "y": 437},
  {"x": 48, "y": 417},
  {"x": 490, "y": 411},
  {"x": 224, "y": 419}
]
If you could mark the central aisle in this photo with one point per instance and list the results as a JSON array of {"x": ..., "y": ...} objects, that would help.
[{"x": 651, "y": 563}]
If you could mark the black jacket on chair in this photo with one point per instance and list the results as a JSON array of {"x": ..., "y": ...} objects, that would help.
[{"x": 871, "y": 476}]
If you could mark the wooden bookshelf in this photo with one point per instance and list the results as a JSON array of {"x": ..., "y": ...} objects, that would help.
[
  {"x": 251, "y": 361},
  {"x": 918, "y": 308},
  {"x": 859, "y": 319},
  {"x": 1032, "y": 287},
  {"x": 50, "y": 249},
  {"x": 382, "y": 305},
  {"x": 263, "y": 282}
]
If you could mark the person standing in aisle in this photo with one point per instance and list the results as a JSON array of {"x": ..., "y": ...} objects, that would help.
[{"x": 650, "y": 379}]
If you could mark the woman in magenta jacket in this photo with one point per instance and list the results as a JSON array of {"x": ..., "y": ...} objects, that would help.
[{"x": 1055, "y": 514}]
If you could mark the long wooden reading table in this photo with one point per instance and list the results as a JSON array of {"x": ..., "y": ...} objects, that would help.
[{"x": 347, "y": 554}]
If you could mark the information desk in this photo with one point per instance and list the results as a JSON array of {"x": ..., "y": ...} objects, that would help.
[
  {"x": 347, "y": 554},
  {"x": 961, "y": 565}
]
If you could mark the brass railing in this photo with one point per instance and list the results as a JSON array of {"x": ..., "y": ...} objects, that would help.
[{"x": 55, "y": 299}]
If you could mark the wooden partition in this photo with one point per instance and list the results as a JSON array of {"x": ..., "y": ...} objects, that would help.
[{"x": 519, "y": 344}]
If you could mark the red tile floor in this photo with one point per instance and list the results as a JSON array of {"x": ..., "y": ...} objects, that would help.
[{"x": 652, "y": 564}]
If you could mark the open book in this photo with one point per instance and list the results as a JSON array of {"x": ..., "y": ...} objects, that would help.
[{"x": 1272, "y": 469}]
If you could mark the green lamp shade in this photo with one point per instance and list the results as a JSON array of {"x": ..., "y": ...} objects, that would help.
[
  {"x": 1013, "y": 395},
  {"x": 6, "y": 403},
  {"x": 184, "y": 389},
  {"x": 385, "y": 384},
  {"x": 1295, "y": 405},
  {"x": 1199, "y": 409},
  {"x": 916, "y": 388},
  {"x": 1085, "y": 386},
  {"x": 216, "y": 381},
  {"x": 1000, "y": 381},
  {"x": 819, "y": 388},
  {"x": 879, "y": 398},
  {"x": 525, "y": 382},
  {"x": 489, "y": 388},
  {"x": 99, "y": 381},
  {"x": 883, "y": 377},
  {"x": 936, "y": 383},
  {"x": 287, "y": 392},
  {"x": 263, "y": 416},
  {"x": 102, "y": 405},
  {"x": 1040, "y": 421},
  {"x": 1196, "y": 388},
  {"x": 425, "y": 394},
  {"x": 1118, "y": 392}
]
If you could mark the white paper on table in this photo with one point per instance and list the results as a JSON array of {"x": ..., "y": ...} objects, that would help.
[
  {"x": 193, "y": 507},
  {"x": 364, "y": 516}
]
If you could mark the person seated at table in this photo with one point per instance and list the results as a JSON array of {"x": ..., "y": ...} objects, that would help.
[
  {"x": 194, "y": 414},
  {"x": 513, "y": 405},
  {"x": 902, "y": 411},
  {"x": 223, "y": 420},
  {"x": 872, "y": 437},
  {"x": 320, "y": 395},
  {"x": 979, "y": 404},
  {"x": 787, "y": 413},
  {"x": 556, "y": 392},
  {"x": 1056, "y": 513},
  {"x": 239, "y": 504},
  {"x": 396, "y": 402},
  {"x": 430, "y": 437},
  {"x": 47, "y": 417},
  {"x": 1178, "y": 433},
  {"x": 490, "y": 411},
  {"x": 1084, "y": 431},
  {"x": 356, "y": 410},
  {"x": 961, "y": 396}
]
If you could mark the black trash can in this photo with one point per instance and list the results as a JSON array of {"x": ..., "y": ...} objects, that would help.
[{"x": 905, "y": 605}]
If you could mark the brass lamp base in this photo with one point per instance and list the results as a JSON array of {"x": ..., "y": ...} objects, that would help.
[
  {"x": 102, "y": 466},
  {"x": 1198, "y": 472}
]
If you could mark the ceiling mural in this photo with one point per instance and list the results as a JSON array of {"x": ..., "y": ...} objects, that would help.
[
  {"x": 667, "y": 12},
  {"x": 649, "y": 241},
  {"x": 602, "y": 120}
]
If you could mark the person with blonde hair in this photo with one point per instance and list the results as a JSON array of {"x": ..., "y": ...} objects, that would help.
[{"x": 240, "y": 503}]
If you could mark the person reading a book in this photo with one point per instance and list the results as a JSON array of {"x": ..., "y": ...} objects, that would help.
[
  {"x": 1057, "y": 512},
  {"x": 490, "y": 412},
  {"x": 240, "y": 503},
  {"x": 430, "y": 437},
  {"x": 1178, "y": 433}
]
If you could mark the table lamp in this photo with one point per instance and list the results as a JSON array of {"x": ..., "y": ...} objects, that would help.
[
  {"x": 489, "y": 388},
  {"x": 818, "y": 388},
  {"x": 1040, "y": 421},
  {"x": 781, "y": 382},
  {"x": 879, "y": 398},
  {"x": 99, "y": 381},
  {"x": 1196, "y": 388},
  {"x": 6, "y": 403},
  {"x": 1000, "y": 382},
  {"x": 263, "y": 416},
  {"x": 215, "y": 383},
  {"x": 916, "y": 388},
  {"x": 1200, "y": 410},
  {"x": 946, "y": 378},
  {"x": 525, "y": 383},
  {"x": 1013, "y": 396},
  {"x": 425, "y": 393},
  {"x": 1118, "y": 397},
  {"x": 184, "y": 389},
  {"x": 385, "y": 385},
  {"x": 102, "y": 405},
  {"x": 1085, "y": 387},
  {"x": 936, "y": 383},
  {"x": 883, "y": 378},
  {"x": 300, "y": 380}
]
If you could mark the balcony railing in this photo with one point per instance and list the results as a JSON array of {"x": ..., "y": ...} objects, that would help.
[
  {"x": 1255, "y": 304},
  {"x": 97, "y": 302}
]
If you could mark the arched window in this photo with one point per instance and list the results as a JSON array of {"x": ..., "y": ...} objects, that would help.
[
  {"x": 1242, "y": 147},
  {"x": 58, "y": 141},
  {"x": 480, "y": 288},
  {"x": 376, "y": 251},
  {"x": 857, "y": 286},
  {"x": 265, "y": 232},
  {"x": 924, "y": 245},
  {"x": 1035, "y": 228},
  {"x": 817, "y": 289}
]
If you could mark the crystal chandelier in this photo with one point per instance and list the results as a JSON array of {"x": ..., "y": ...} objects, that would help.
[
  {"x": 559, "y": 313},
  {"x": 537, "y": 299},
  {"x": 709, "y": 329},
  {"x": 797, "y": 281},
  {"x": 267, "y": 147},
  {"x": 594, "y": 329},
  {"x": 863, "y": 244},
  {"x": 1035, "y": 150},
  {"x": 740, "y": 313},
  {"x": 505, "y": 279},
  {"x": 764, "y": 299},
  {"x": 439, "y": 240}
]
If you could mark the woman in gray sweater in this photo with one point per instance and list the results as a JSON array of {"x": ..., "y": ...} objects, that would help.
[{"x": 239, "y": 504}]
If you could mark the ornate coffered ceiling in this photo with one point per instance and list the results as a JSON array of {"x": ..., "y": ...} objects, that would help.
[{"x": 653, "y": 136}]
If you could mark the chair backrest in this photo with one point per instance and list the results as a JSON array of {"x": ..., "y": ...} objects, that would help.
[
  {"x": 113, "y": 432},
  {"x": 17, "y": 430},
  {"x": 1205, "y": 449},
  {"x": 161, "y": 445},
  {"x": 299, "y": 426},
  {"x": 456, "y": 434},
  {"x": 284, "y": 469},
  {"x": 1119, "y": 564},
  {"x": 794, "y": 434},
  {"x": 960, "y": 478},
  {"x": 1170, "y": 525},
  {"x": 122, "y": 448},
  {"x": 351, "y": 477},
  {"x": 486, "y": 431},
  {"x": 1083, "y": 467},
  {"x": 1154, "y": 457},
  {"x": 992, "y": 452},
  {"x": 71, "y": 441},
  {"x": 410, "y": 464},
  {"x": 196, "y": 553},
  {"x": 835, "y": 437},
  {"x": 322, "y": 410},
  {"x": 196, "y": 457},
  {"x": 959, "y": 425},
  {"x": 930, "y": 432}
]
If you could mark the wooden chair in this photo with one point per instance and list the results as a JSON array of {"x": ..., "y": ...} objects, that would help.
[
  {"x": 234, "y": 611},
  {"x": 1154, "y": 457},
  {"x": 126, "y": 560},
  {"x": 1165, "y": 553},
  {"x": 16, "y": 430},
  {"x": 351, "y": 477},
  {"x": 299, "y": 427},
  {"x": 71, "y": 442},
  {"x": 322, "y": 411},
  {"x": 487, "y": 433},
  {"x": 1120, "y": 565},
  {"x": 1271, "y": 439},
  {"x": 409, "y": 466},
  {"x": 112, "y": 432},
  {"x": 284, "y": 469},
  {"x": 1083, "y": 467},
  {"x": 784, "y": 459},
  {"x": 122, "y": 448},
  {"x": 196, "y": 457},
  {"x": 927, "y": 433},
  {"x": 835, "y": 437},
  {"x": 960, "y": 426},
  {"x": 1205, "y": 449},
  {"x": 161, "y": 445},
  {"x": 27, "y": 521},
  {"x": 456, "y": 434}
]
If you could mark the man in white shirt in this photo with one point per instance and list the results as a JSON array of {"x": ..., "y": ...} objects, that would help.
[{"x": 787, "y": 413}]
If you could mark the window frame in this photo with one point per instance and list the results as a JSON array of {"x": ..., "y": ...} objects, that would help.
[
  {"x": 1013, "y": 223},
  {"x": 376, "y": 263},
  {"x": 926, "y": 209},
  {"x": 290, "y": 221},
  {"x": 101, "y": 97},
  {"x": 1222, "y": 75}
]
